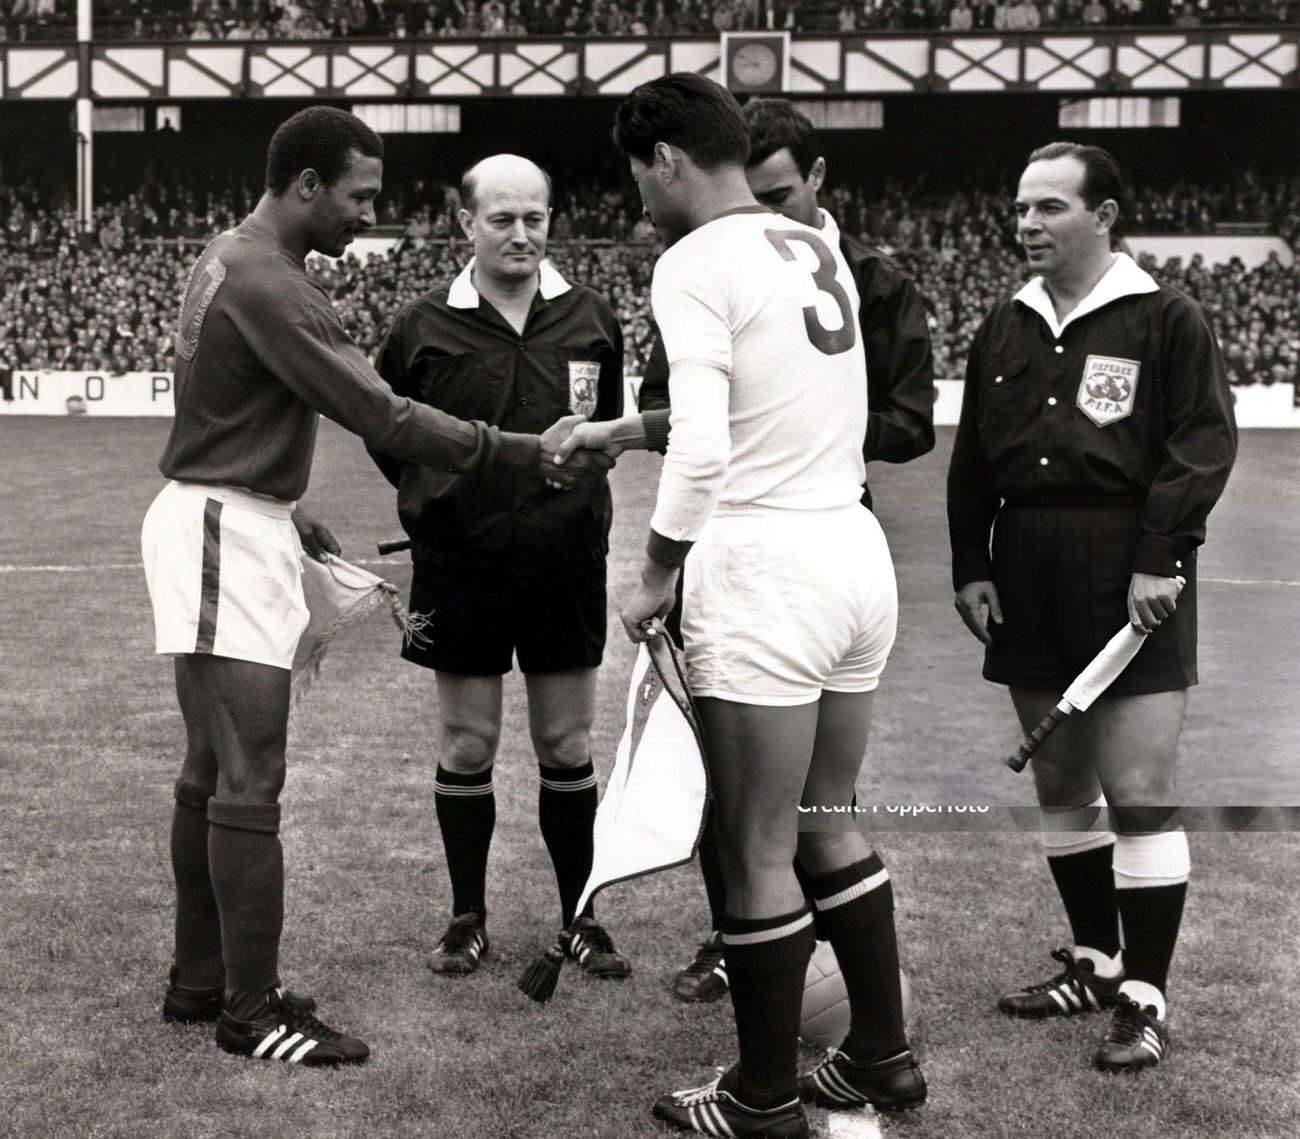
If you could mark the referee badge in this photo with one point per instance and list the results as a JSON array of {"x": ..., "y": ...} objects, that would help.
[
  {"x": 584, "y": 375},
  {"x": 1107, "y": 388}
]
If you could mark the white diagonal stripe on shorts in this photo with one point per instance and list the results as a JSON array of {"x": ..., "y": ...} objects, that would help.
[
  {"x": 857, "y": 890},
  {"x": 269, "y": 1040},
  {"x": 284, "y": 1045}
]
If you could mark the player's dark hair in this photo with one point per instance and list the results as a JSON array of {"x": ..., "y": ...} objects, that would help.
[
  {"x": 469, "y": 187},
  {"x": 320, "y": 139},
  {"x": 687, "y": 111},
  {"x": 1101, "y": 176},
  {"x": 774, "y": 125}
]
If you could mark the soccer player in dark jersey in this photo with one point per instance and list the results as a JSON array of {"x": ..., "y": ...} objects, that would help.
[{"x": 260, "y": 352}]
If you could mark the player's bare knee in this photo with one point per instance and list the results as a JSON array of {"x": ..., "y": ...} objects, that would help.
[
  {"x": 563, "y": 747},
  {"x": 1135, "y": 820},
  {"x": 469, "y": 751},
  {"x": 820, "y": 852},
  {"x": 251, "y": 782}
]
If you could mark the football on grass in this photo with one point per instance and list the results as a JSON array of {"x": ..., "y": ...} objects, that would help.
[{"x": 825, "y": 1018}]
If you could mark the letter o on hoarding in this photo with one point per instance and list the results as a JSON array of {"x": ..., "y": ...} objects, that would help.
[{"x": 94, "y": 388}]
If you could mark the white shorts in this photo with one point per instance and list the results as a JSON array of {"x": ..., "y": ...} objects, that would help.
[
  {"x": 225, "y": 574},
  {"x": 780, "y": 606}
]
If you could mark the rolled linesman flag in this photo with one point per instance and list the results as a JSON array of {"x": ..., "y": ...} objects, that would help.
[
  {"x": 1101, "y": 672},
  {"x": 652, "y": 812},
  {"x": 338, "y": 594}
]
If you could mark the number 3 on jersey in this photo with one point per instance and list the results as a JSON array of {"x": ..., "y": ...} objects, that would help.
[{"x": 829, "y": 342}]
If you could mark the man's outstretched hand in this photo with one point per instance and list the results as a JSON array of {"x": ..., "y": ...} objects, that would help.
[
  {"x": 588, "y": 437},
  {"x": 580, "y": 469}
]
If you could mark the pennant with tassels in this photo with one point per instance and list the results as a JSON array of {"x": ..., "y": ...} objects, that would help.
[
  {"x": 652, "y": 812},
  {"x": 338, "y": 594}
]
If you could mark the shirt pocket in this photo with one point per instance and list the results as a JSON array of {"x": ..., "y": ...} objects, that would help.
[
  {"x": 580, "y": 369},
  {"x": 464, "y": 386},
  {"x": 1003, "y": 398}
]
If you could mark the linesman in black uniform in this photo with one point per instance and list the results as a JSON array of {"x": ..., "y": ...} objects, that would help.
[
  {"x": 505, "y": 564},
  {"x": 1096, "y": 435}
]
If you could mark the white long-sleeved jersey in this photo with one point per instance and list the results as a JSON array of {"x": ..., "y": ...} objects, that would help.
[{"x": 759, "y": 319}]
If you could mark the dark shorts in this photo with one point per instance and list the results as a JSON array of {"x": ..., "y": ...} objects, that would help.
[
  {"x": 554, "y": 620},
  {"x": 1062, "y": 575}
]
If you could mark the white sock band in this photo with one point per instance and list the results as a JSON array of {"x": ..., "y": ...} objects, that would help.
[
  {"x": 1076, "y": 830},
  {"x": 1146, "y": 860}
]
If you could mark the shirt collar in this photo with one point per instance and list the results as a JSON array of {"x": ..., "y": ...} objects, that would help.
[
  {"x": 462, "y": 293},
  {"x": 828, "y": 226},
  {"x": 1124, "y": 278}
]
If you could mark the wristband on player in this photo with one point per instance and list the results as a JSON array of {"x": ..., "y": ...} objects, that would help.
[{"x": 666, "y": 552}]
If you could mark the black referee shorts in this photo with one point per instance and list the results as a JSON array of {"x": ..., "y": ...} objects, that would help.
[
  {"x": 554, "y": 619},
  {"x": 1062, "y": 575}
]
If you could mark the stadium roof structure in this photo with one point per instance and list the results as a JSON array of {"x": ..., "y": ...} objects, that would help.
[{"x": 1076, "y": 61}]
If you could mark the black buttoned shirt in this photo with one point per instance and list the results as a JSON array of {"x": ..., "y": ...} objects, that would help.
[
  {"x": 453, "y": 350},
  {"x": 1127, "y": 402}
]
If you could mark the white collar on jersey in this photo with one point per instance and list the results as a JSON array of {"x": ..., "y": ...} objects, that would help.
[
  {"x": 828, "y": 226},
  {"x": 1124, "y": 278},
  {"x": 462, "y": 293}
]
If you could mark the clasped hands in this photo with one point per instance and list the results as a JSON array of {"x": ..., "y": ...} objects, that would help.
[{"x": 577, "y": 453}]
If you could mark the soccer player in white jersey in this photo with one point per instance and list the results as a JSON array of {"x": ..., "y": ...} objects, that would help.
[{"x": 790, "y": 602}]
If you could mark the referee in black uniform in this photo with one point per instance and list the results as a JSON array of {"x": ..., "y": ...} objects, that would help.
[
  {"x": 505, "y": 564},
  {"x": 1096, "y": 434}
]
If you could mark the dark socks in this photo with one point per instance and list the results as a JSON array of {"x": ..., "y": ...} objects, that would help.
[
  {"x": 767, "y": 961},
  {"x": 1086, "y": 883},
  {"x": 855, "y": 909},
  {"x": 467, "y": 814},
  {"x": 198, "y": 957},
  {"x": 247, "y": 867},
  {"x": 566, "y": 814},
  {"x": 1151, "y": 919}
]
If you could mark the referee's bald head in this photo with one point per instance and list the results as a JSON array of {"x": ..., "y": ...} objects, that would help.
[{"x": 498, "y": 172}]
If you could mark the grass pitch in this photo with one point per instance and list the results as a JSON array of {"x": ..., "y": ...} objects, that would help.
[{"x": 90, "y": 740}]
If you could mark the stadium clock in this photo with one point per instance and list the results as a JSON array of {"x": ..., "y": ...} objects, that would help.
[{"x": 756, "y": 61}]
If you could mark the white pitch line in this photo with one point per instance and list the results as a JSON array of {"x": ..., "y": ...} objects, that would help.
[
  {"x": 860, "y": 1124},
  {"x": 102, "y": 567}
]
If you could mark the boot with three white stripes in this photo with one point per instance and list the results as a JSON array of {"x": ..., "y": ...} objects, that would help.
[
  {"x": 714, "y": 1109},
  {"x": 892, "y": 1084},
  {"x": 1076, "y": 989},
  {"x": 289, "y": 1031},
  {"x": 1137, "y": 1038},
  {"x": 587, "y": 943}
]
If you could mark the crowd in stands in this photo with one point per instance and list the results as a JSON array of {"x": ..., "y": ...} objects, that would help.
[
  {"x": 432, "y": 19},
  {"x": 110, "y": 302}
]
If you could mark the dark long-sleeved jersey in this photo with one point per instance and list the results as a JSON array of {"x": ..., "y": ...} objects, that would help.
[
  {"x": 1126, "y": 400},
  {"x": 900, "y": 364},
  {"x": 260, "y": 350},
  {"x": 450, "y": 349}
]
